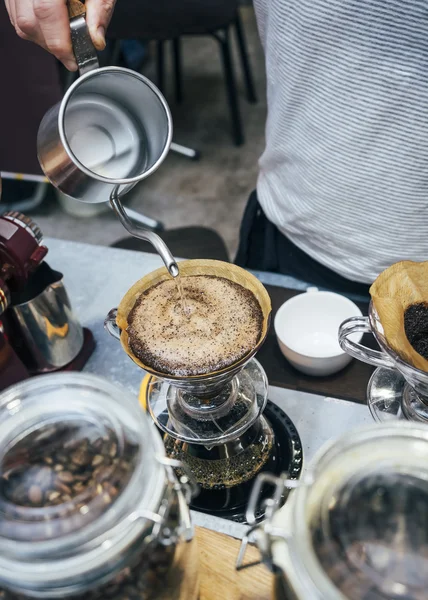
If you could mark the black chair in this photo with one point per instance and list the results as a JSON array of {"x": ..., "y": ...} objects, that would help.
[
  {"x": 165, "y": 20},
  {"x": 185, "y": 242}
]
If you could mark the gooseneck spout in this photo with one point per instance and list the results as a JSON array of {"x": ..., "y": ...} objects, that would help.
[{"x": 144, "y": 234}]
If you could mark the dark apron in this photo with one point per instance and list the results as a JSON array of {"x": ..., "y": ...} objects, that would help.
[{"x": 262, "y": 247}]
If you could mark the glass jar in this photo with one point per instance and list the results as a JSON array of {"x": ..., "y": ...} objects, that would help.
[
  {"x": 356, "y": 525},
  {"x": 90, "y": 507}
]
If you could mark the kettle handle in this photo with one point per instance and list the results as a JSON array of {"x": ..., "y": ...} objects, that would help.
[{"x": 83, "y": 48}]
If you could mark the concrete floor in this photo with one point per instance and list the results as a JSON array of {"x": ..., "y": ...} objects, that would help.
[{"x": 211, "y": 192}]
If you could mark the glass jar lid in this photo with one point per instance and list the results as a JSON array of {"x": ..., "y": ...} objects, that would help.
[
  {"x": 77, "y": 469},
  {"x": 367, "y": 510}
]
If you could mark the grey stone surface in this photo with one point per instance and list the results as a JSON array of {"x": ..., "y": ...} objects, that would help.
[{"x": 211, "y": 192}]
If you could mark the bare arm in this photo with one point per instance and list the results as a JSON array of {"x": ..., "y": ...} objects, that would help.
[{"x": 45, "y": 22}]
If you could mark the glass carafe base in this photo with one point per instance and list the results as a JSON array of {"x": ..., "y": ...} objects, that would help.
[
  {"x": 390, "y": 397},
  {"x": 230, "y": 502}
]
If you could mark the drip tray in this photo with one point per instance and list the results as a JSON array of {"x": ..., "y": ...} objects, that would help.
[{"x": 287, "y": 456}]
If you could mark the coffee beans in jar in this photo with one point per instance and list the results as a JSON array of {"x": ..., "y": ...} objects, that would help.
[
  {"x": 70, "y": 471},
  {"x": 88, "y": 509},
  {"x": 144, "y": 580}
]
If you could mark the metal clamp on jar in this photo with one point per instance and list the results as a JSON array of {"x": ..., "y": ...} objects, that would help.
[
  {"x": 90, "y": 507},
  {"x": 356, "y": 526}
]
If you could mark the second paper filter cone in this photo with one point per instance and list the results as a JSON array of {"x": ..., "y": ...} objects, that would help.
[
  {"x": 402, "y": 285},
  {"x": 191, "y": 268}
]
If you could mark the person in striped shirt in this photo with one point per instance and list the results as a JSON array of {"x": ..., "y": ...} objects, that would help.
[{"x": 343, "y": 186}]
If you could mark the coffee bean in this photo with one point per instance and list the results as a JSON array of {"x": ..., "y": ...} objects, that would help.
[
  {"x": 80, "y": 457},
  {"x": 72, "y": 444},
  {"x": 110, "y": 489},
  {"x": 125, "y": 465},
  {"x": 98, "y": 444},
  {"x": 97, "y": 460},
  {"x": 62, "y": 487},
  {"x": 113, "y": 450},
  {"x": 102, "y": 473},
  {"x": 82, "y": 477},
  {"x": 53, "y": 495},
  {"x": 65, "y": 476},
  {"x": 78, "y": 487}
]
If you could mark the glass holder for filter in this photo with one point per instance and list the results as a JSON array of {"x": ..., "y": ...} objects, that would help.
[
  {"x": 396, "y": 390},
  {"x": 199, "y": 417}
]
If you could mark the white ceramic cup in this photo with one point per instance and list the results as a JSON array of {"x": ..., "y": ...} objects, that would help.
[{"x": 307, "y": 327}]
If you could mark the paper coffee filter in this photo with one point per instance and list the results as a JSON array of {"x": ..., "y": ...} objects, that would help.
[
  {"x": 401, "y": 285},
  {"x": 190, "y": 268}
]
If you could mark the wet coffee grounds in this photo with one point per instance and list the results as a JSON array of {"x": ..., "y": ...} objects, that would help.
[
  {"x": 416, "y": 327},
  {"x": 221, "y": 324}
]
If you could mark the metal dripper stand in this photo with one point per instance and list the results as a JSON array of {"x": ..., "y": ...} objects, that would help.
[{"x": 143, "y": 234}]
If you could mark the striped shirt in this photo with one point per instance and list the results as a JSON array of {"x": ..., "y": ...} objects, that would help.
[{"x": 345, "y": 171}]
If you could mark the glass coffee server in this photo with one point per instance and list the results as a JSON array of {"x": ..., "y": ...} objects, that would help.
[{"x": 90, "y": 507}]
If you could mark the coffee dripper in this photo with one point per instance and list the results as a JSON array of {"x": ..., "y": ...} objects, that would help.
[
  {"x": 215, "y": 422},
  {"x": 112, "y": 129},
  {"x": 396, "y": 390}
]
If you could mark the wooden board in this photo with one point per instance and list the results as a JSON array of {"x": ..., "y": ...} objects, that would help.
[{"x": 219, "y": 579}]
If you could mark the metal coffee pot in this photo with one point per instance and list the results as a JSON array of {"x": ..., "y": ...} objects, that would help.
[
  {"x": 44, "y": 323},
  {"x": 112, "y": 129}
]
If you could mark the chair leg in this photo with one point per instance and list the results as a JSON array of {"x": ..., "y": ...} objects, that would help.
[
  {"x": 176, "y": 51},
  {"x": 245, "y": 61},
  {"x": 30, "y": 203},
  {"x": 161, "y": 66},
  {"x": 191, "y": 153},
  {"x": 223, "y": 37}
]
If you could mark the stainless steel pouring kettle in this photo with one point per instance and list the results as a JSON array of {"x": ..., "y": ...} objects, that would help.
[{"x": 112, "y": 129}]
